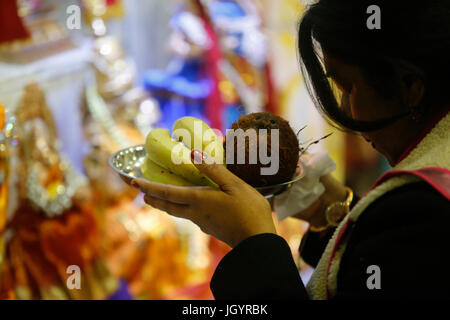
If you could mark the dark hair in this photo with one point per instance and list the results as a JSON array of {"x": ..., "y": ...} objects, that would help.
[{"x": 414, "y": 33}]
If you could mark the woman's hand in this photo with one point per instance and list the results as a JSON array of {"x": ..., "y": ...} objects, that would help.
[
  {"x": 232, "y": 213},
  {"x": 334, "y": 192}
]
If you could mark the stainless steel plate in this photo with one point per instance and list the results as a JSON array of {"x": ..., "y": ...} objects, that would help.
[{"x": 127, "y": 163}]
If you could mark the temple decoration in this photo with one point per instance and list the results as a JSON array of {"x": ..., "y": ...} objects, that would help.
[
  {"x": 54, "y": 225},
  {"x": 30, "y": 32},
  {"x": 103, "y": 9},
  {"x": 11, "y": 24}
]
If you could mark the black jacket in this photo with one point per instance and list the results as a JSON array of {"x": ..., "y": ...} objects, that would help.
[{"x": 404, "y": 233}]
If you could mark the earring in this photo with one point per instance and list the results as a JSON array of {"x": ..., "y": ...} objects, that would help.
[{"x": 416, "y": 114}]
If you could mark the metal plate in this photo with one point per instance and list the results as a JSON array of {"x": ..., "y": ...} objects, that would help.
[{"x": 127, "y": 163}]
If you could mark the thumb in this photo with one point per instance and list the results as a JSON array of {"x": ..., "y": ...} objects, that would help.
[{"x": 213, "y": 170}]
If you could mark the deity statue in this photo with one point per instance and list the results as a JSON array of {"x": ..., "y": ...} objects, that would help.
[{"x": 53, "y": 228}]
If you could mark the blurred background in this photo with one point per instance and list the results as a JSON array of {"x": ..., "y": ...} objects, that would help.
[{"x": 80, "y": 80}]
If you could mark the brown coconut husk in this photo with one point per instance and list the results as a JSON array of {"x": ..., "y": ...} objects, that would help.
[{"x": 288, "y": 150}]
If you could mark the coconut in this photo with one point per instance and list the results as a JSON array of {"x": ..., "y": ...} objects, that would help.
[{"x": 288, "y": 149}]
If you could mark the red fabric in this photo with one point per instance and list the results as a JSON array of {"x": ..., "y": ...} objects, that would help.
[
  {"x": 272, "y": 100},
  {"x": 11, "y": 24},
  {"x": 214, "y": 103},
  {"x": 438, "y": 178},
  {"x": 41, "y": 249},
  {"x": 272, "y": 105}
]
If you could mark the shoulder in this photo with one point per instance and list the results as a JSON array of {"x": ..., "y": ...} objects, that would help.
[
  {"x": 411, "y": 213},
  {"x": 404, "y": 233},
  {"x": 416, "y": 203}
]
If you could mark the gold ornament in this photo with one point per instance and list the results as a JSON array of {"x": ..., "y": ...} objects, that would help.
[{"x": 50, "y": 180}]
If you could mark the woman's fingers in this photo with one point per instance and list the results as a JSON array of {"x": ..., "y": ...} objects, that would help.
[
  {"x": 216, "y": 172},
  {"x": 174, "y": 209},
  {"x": 175, "y": 194}
]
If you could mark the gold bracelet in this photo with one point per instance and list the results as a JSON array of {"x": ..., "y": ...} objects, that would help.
[
  {"x": 319, "y": 229},
  {"x": 336, "y": 212}
]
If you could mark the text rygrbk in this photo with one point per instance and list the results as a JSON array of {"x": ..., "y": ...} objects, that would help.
[{"x": 234, "y": 309}]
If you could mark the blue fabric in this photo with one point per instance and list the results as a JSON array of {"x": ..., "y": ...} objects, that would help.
[
  {"x": 122, "y": 293},
  {"x": 189, "y": 88},
  {"x": 232, "y": 114},
  {"x": 226, "y": 9},
  {"x": 188, "y": 82},
  {"x": 176, "y": 107}
]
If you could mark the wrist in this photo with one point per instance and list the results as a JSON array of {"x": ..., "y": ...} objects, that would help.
[
  {"x": 253, "y": 229},
  {"x": 234, "y": 243},
  {"x": 334, "y": 192},
  {"x": 318, "y": 219}
]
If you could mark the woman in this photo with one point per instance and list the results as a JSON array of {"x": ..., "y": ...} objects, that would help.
[{"x": 394, "y": 91}]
